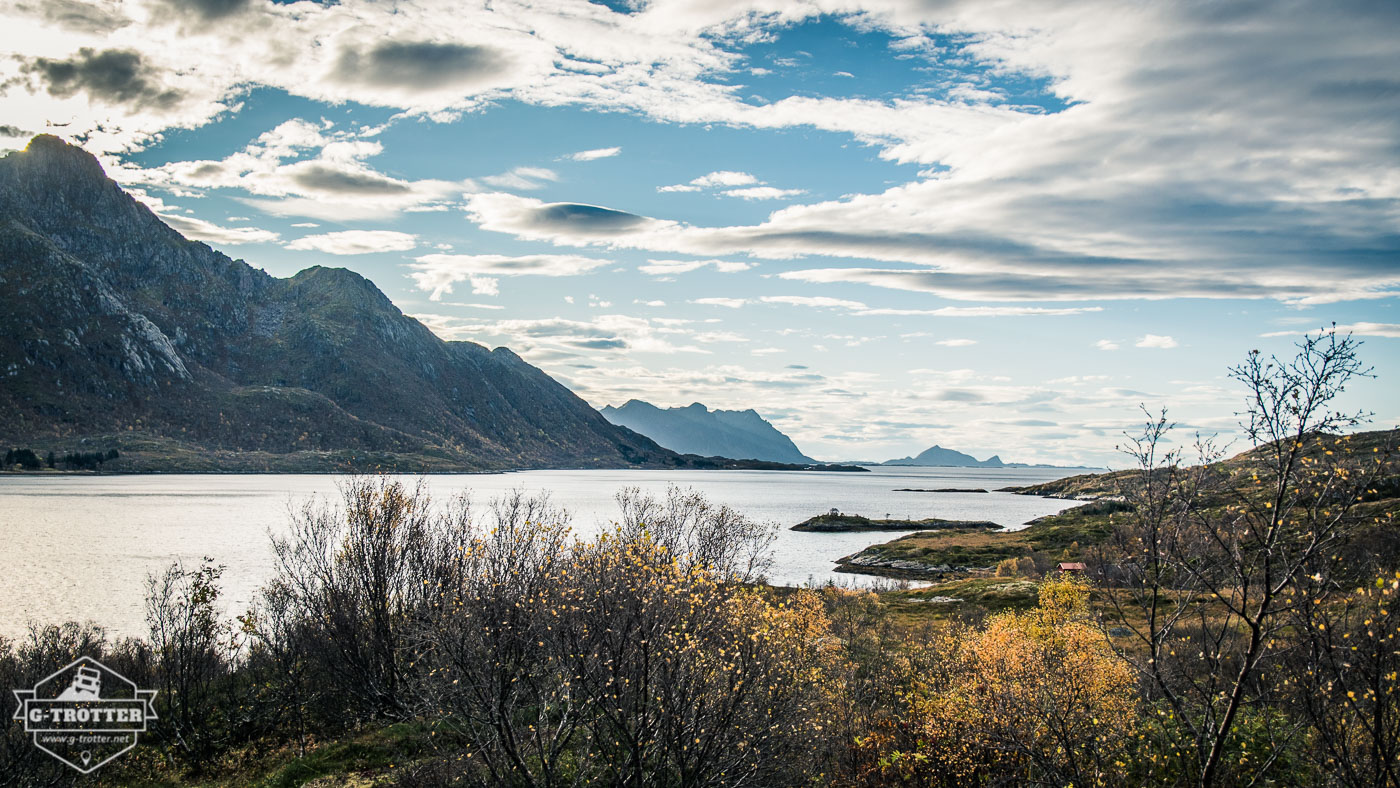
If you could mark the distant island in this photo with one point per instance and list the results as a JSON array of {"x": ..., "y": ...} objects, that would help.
[
  {"x": 948, "y": 458},
  {"x": 695, "y": 429},
  {"x": 939, "y": 457}
]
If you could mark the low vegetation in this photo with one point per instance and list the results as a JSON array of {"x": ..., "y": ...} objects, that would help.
[{"x": 30, "y": 460}]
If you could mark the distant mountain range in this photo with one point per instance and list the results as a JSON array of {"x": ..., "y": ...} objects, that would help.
[
  {"x": 939, "y": 456},
  {"x": 118, "y": 332},
  {"x": 695, "y": 429}
]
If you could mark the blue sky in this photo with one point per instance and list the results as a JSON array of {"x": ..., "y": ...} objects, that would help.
[{"x": 996, "y": 226}]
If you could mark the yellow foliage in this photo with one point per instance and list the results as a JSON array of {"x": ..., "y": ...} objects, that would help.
[{"x": 1029, "y": 695}]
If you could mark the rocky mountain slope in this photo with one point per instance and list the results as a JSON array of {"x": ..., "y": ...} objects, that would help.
[
  {"x": 696, "y": 429},
  {"x": 118, "y": 331}
]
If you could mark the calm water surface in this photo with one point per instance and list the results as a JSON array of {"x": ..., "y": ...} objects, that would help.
[{"x": 80, "y": 547}]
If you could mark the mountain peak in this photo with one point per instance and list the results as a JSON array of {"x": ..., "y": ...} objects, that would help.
[
  {"x": 695, "y": 429},
  {"x": 130, "y": 329},
  {"x": 54, "y": 154}
]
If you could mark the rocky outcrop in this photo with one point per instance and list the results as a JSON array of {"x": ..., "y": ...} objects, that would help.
[{"x": 840, "y": 523}]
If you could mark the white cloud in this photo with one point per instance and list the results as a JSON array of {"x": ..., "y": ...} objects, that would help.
[
  {"x": 730, "y": 303},
  {"x": 522, "y": 178},
  {"x": 814, "y": 301},
  {"x": 987, "y": 311},
  {"x": 670, "y": 267},
  {"x": 470, "y": 305},
  {"x": 1363, "y": 329},
  {"x": 437, "y": 273},
  {"x": 724, "y": 178},
  {"x": 729, "y": 182},
  {"x": 763, "y": 193},
  {"x": 598, "y": 336},
  {"x": 301, "y": 168},
  {"x": 201, "y": 230},
  {"x": 1106, "y": 344},
  {"x": 484, "y": 285},
  {"x": 1097, "y": 193},
  {"x": 356, "y": 242},
  {"x": 1156, "y": 341},
  {"x": 592, "y": 155},
  {"x": 956, "y": 342}
]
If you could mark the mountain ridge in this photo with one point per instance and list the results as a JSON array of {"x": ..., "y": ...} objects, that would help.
[
  {"x": 695, "y": 429},
  {"x": 125, "y": 329}
]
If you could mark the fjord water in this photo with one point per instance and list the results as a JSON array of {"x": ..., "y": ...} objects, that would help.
[{"x": 80, "y": 547}]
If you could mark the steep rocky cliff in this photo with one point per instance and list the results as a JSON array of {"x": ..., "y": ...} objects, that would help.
[{"x": 117, "y": 330}]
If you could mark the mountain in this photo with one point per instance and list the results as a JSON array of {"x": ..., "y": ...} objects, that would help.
[
  {"x": 940, "y": 456},
  {"x": 118, "y": 332},
  {"x": 696, "y": 429}
]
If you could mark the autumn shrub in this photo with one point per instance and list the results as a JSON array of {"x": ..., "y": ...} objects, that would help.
[
  {"x": 1031, "y": 697},
  {"x": 618, "y": 663},
  {"x": 1345, "y": 676}
]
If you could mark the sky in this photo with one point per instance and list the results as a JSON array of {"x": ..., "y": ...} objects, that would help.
[{"x": 1001, "y": 226}]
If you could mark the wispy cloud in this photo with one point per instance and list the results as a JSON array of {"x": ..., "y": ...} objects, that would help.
[
  {"x": 672, "y": 267},
  {"x": 357, "y": 242},
  {"x": 522, "y": 178},
  {"x": 437, "y": 273},
  {"x": 814, "y": 301},
  {"x": 763, "y": 193},
  {"x": 201, "y": 230},
  {"x": 729, "y": 303},
  {"x": 1363, "y": 329},
  {"x": 594, "y": 154},
  {"x": 732, "y": 183}
]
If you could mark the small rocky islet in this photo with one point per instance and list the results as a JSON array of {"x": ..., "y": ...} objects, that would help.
[{"x": 837, "y": 522}]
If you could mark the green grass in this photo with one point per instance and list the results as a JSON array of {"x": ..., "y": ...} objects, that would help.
[{"x": 366, "y": 758}]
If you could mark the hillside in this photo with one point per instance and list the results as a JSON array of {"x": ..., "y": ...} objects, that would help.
[
  {"x": 119, "y": 332},
  {"x": 1074, "y": 534},
  {"x": 696, "y": 429}
]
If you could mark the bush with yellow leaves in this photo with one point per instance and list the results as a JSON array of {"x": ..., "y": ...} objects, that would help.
[{"x": 1032, "y": 697}]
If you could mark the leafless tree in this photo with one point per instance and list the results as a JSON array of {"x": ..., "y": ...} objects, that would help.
[
  {"x": 194, "y": 652},
  {"x": 493, "y": 678},
  {"x": 699, "y": 532},
  {"x": 1217, "y": 555},
  {"x": 360, "y": 573}
]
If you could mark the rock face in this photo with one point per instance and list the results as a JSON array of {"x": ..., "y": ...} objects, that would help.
[
  {"x": 939, "y": 456},
  {"x": 116, "y": 326},
  {"x": 741, "y": 434}
]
